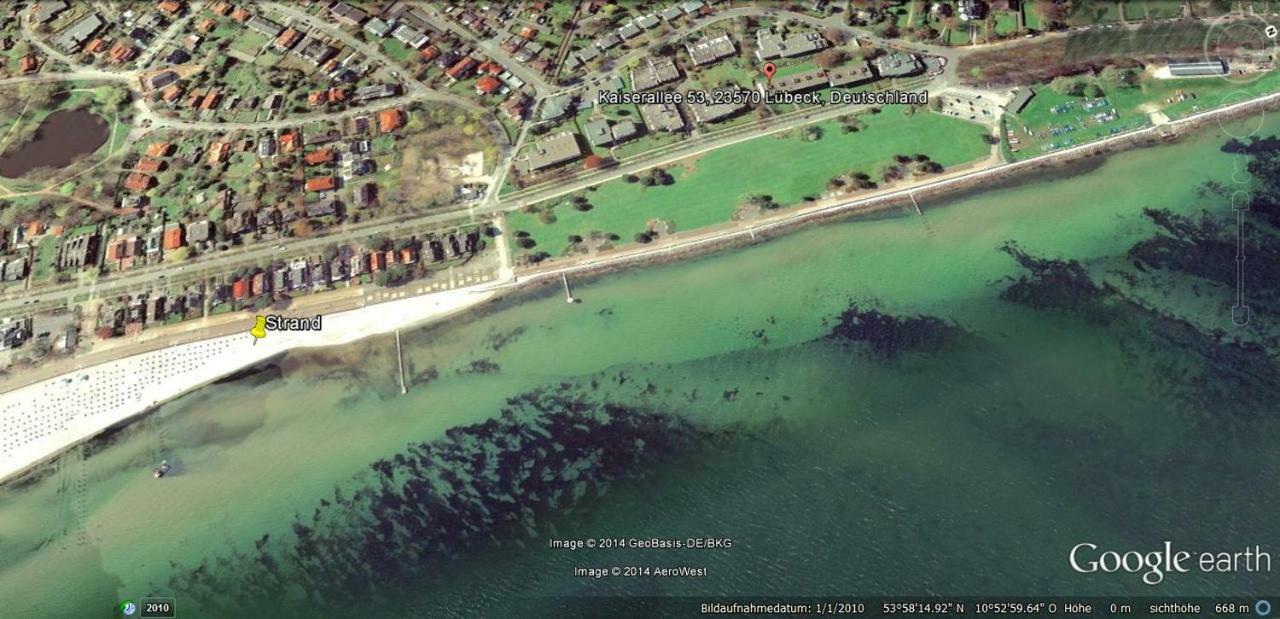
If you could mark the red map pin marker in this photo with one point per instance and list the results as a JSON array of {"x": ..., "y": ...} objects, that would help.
[{"x": 769, "y": 70}]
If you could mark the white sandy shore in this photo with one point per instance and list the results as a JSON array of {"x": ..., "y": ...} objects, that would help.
[{"x": 41, "y": 420}]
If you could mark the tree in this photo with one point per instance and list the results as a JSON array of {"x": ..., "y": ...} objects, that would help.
[
  {"x": 644, "y": 237},
  {"x": 38, "y": 94},
  {"x": 762, "y": 201},
  {"x": 835, "y": 36},
  {"x": 1116, "y": 76},
  {"x": 925, "y": 33},
  {"x": 1052, "y": 13},
  {"x": 394, "y": 274},
  {"x": 831, "y": 57},
  {"x": 1065, "y": 85},
  {"x": 115, "y": 97}
]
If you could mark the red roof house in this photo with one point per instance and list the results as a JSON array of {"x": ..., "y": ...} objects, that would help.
[
  {"x": 159, "y": 149},
  {"x": 322, "y": 183},
  {"x": 462, "y": 68},
  {"x": 122, "y": 51},
  {"x": 390, "y": 120},
  {"x": 173, "y": 236},
  {"x": 488, "y": 85},
  {"x": 318, "y": 157},
  {"x": 148, "y": 165},
  {"x": 138, "y": 182}
]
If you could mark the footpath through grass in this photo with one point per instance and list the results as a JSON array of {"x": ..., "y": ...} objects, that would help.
[{"x": 708, "y": 189}]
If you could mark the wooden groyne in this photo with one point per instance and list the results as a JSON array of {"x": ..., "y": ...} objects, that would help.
[{"x": 400, "y": 358}]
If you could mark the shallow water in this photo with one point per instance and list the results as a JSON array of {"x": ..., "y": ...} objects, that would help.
[{"x": 837, "y": 467}]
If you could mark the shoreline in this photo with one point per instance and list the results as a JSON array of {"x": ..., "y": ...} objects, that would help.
[
  {"x": 41, "y": 420},
  {"x": 950, "y": 186}
]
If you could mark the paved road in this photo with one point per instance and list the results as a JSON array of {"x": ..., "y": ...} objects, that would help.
[
  {"x": 292, "y": 120},
  {"x": 145, "y": 58},
  {"x": 695, "y": 146},
  {"x": 75, "y": 75},
  {"x": 255, "y": 254},
  {"x": 417, "y": 91},
  {"x": 260, "y": 253},
  {"x": 490, "y": 47},
  {"x": 30, "y": 34}
]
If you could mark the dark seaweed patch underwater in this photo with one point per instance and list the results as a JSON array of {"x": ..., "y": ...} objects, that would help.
[{"x": 556, "y": 452}]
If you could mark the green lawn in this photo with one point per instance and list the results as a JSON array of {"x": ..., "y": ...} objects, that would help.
[
  {"x": 1156, "y": 9},
  {"x": 249, "y": 42},
  {"x": 399, "y": 52},
  {"x": 1088, "y": 13},
  {"x": 960, "y": 34},
  {"x": 46, "y": 255},
  {"x": 709, "y": 189},
  {"x": 1031, "y": 17},
  {"x": 1006, "y": 22},
  {"x": 912, "y": 14}
]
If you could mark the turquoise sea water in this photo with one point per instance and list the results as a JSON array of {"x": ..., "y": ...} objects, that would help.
[{"x": 897, "y": 405}]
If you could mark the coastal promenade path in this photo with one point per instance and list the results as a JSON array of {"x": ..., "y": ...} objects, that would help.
[{"x": 40, "y": 420}]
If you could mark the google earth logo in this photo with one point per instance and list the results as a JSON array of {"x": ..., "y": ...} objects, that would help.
[{"x": 128, "y": 608}]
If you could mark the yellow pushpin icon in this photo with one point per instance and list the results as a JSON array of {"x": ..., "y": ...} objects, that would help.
[{"x": 259, "y": 329}]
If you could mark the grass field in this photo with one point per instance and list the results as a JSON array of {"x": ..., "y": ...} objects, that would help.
[
  {"x": 1161, "y": 10},
  {"x": 399, "y": 52},
  {"x": 1088, "y": 13},
  {"x": 249, "y": 42},
  {"x": 709, "y": 188},
  {"x": 1031, "y": 17}
]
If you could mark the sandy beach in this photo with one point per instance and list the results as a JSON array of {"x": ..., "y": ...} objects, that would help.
[{"x": 40, "y": 420}]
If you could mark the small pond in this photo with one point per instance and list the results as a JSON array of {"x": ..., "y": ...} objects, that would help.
[{"x": 62, "y": 138}]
